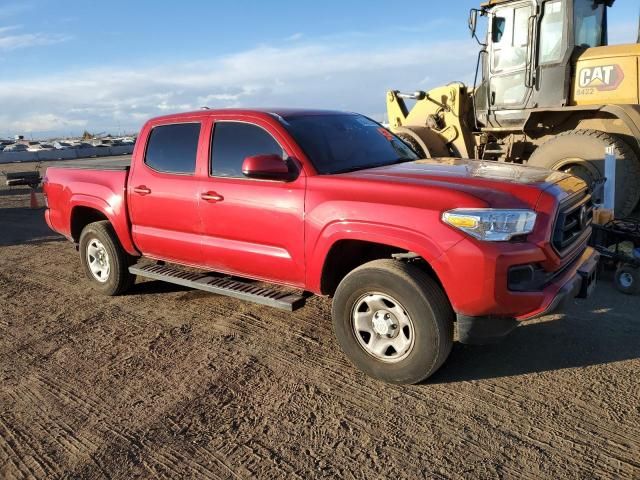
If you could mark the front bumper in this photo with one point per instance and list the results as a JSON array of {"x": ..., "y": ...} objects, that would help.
[{"x": 578, "y": 280}]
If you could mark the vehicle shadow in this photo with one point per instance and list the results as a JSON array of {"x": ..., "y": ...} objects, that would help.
[
  {"x": 601, "y": 329},
  {"x": 148, "y": 287},
  {"x": 25, "y": 225},
  {"x": 10, "y": 192}
]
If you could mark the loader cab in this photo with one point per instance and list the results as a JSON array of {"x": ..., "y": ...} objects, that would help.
[{"x": 526, "y": 59}]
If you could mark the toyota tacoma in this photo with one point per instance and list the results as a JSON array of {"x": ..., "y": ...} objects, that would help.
[{"x": 273, "y": 205}]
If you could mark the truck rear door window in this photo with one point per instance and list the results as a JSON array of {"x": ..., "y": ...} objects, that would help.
[
  {"x": 235, "y": 141},
  {"x": 173, "y": 148}
]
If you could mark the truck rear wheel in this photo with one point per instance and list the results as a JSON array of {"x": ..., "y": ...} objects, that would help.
[
  {"x": 581, "y": 153},
  {"x": 105, "y": 262},
  {"x": 393, "y": 321}
]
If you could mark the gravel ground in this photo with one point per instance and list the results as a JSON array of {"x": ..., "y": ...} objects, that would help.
[{"x": 167, "y": 382}]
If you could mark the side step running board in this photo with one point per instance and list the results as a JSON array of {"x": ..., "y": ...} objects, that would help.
[{"x": 221, "y": 286}]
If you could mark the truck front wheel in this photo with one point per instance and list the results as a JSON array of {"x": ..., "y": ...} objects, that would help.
[
  {"x": 105, "y": 262},
  {"x": 393, "y": 321}
]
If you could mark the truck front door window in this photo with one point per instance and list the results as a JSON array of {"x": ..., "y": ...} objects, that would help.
[{"x": 235, "y": 141}]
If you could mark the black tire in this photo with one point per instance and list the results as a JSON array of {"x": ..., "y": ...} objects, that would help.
[
  {"x": 409, "y": 140},
  {"x": 627, "y": 279},
  {"x": 118, "y": 279},
  {"x": 570, "y": 149},
  {"x": 422, "y": 300}
]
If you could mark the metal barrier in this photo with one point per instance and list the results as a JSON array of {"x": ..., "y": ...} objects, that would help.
[
  {"x": 8, "y": 157},
  {"x": 68, "y": 154}
]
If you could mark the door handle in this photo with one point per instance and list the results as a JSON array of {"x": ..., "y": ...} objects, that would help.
[
  {"x": 142, "y": 190},
  {"x": 211, "y": 197}
]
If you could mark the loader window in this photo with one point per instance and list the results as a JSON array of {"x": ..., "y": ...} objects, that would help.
[
  {"x": 551, "y": 32},
  {"x": 588, "y": 23},
  {"x": 509, "y": 36}
]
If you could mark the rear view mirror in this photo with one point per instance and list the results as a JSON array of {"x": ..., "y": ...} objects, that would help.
[
  {"x": 268, "y": 167},
  {"x": 473, "y": 21}
]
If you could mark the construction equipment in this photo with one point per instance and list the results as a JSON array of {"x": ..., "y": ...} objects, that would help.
[
  {"x": 548, "y": 91},
  {"x": 31, "y": 179},
  {"x": 610, "y": 240}
]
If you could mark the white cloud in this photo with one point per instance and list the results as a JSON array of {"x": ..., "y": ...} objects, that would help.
[
  {"x": 321, "y": 75},
  {"x": 294, "y": 37},
  {"x": 42, "y": 122},
  {"x": 11, "y": 38}
]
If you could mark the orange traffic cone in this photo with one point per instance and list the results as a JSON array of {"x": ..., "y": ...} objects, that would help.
[{"x": 34, "y": 199}]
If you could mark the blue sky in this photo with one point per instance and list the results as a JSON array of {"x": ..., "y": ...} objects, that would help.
[{"x": 107, "y": 66}]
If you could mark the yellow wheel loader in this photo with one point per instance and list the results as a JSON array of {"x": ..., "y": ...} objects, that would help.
[{"x": 548, "y": 92}]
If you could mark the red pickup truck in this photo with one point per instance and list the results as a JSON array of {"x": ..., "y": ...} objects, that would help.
[{"x": 332, "y": 203}]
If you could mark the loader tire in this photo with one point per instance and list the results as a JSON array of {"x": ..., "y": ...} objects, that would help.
[
  {"x": 581, "y": 153},
  {"x": 415, "y": 146}
]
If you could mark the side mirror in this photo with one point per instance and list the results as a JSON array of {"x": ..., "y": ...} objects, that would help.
[
  {"x": 267, "y": 167},
  {"x": 473, "y": 21}
]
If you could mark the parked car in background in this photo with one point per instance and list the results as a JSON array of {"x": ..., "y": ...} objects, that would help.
[
  {"x": 39, "y": 147},
  {"x": 16, "y": 147}
]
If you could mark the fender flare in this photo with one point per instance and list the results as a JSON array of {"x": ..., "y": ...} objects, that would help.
[
  {"x": 113, "y": 213},
  {"x": 401, "y": 238},
  {"x": 630, "y": 115}
]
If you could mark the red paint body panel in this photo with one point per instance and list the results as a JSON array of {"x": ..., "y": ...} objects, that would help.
[
  {"x": 282, "y": 231},
  {"x": 104, "y": 191}
]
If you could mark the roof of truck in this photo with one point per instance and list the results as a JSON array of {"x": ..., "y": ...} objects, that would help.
[{"x": 280, "y": 112}]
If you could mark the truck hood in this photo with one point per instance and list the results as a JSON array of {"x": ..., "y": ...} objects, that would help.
[{"x": 496, "y": 183}]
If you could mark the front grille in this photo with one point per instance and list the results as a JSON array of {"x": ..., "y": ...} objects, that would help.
[{"x": 573, "y": 223}]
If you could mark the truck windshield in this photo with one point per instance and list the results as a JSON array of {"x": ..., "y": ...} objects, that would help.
[
  {"x": 338, "y": 143},
  {"x": 589, "y": 17}
]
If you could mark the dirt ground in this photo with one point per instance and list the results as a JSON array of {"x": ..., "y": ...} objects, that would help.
[{"x": 170, "y": 383}]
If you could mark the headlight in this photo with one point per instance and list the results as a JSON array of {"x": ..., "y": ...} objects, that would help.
[{"x": 493, "y": 225}]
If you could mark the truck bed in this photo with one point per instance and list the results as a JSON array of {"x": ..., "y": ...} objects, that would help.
[
  {"x": 98, "y": 184},
  {"x": 120, "y": 162}
]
